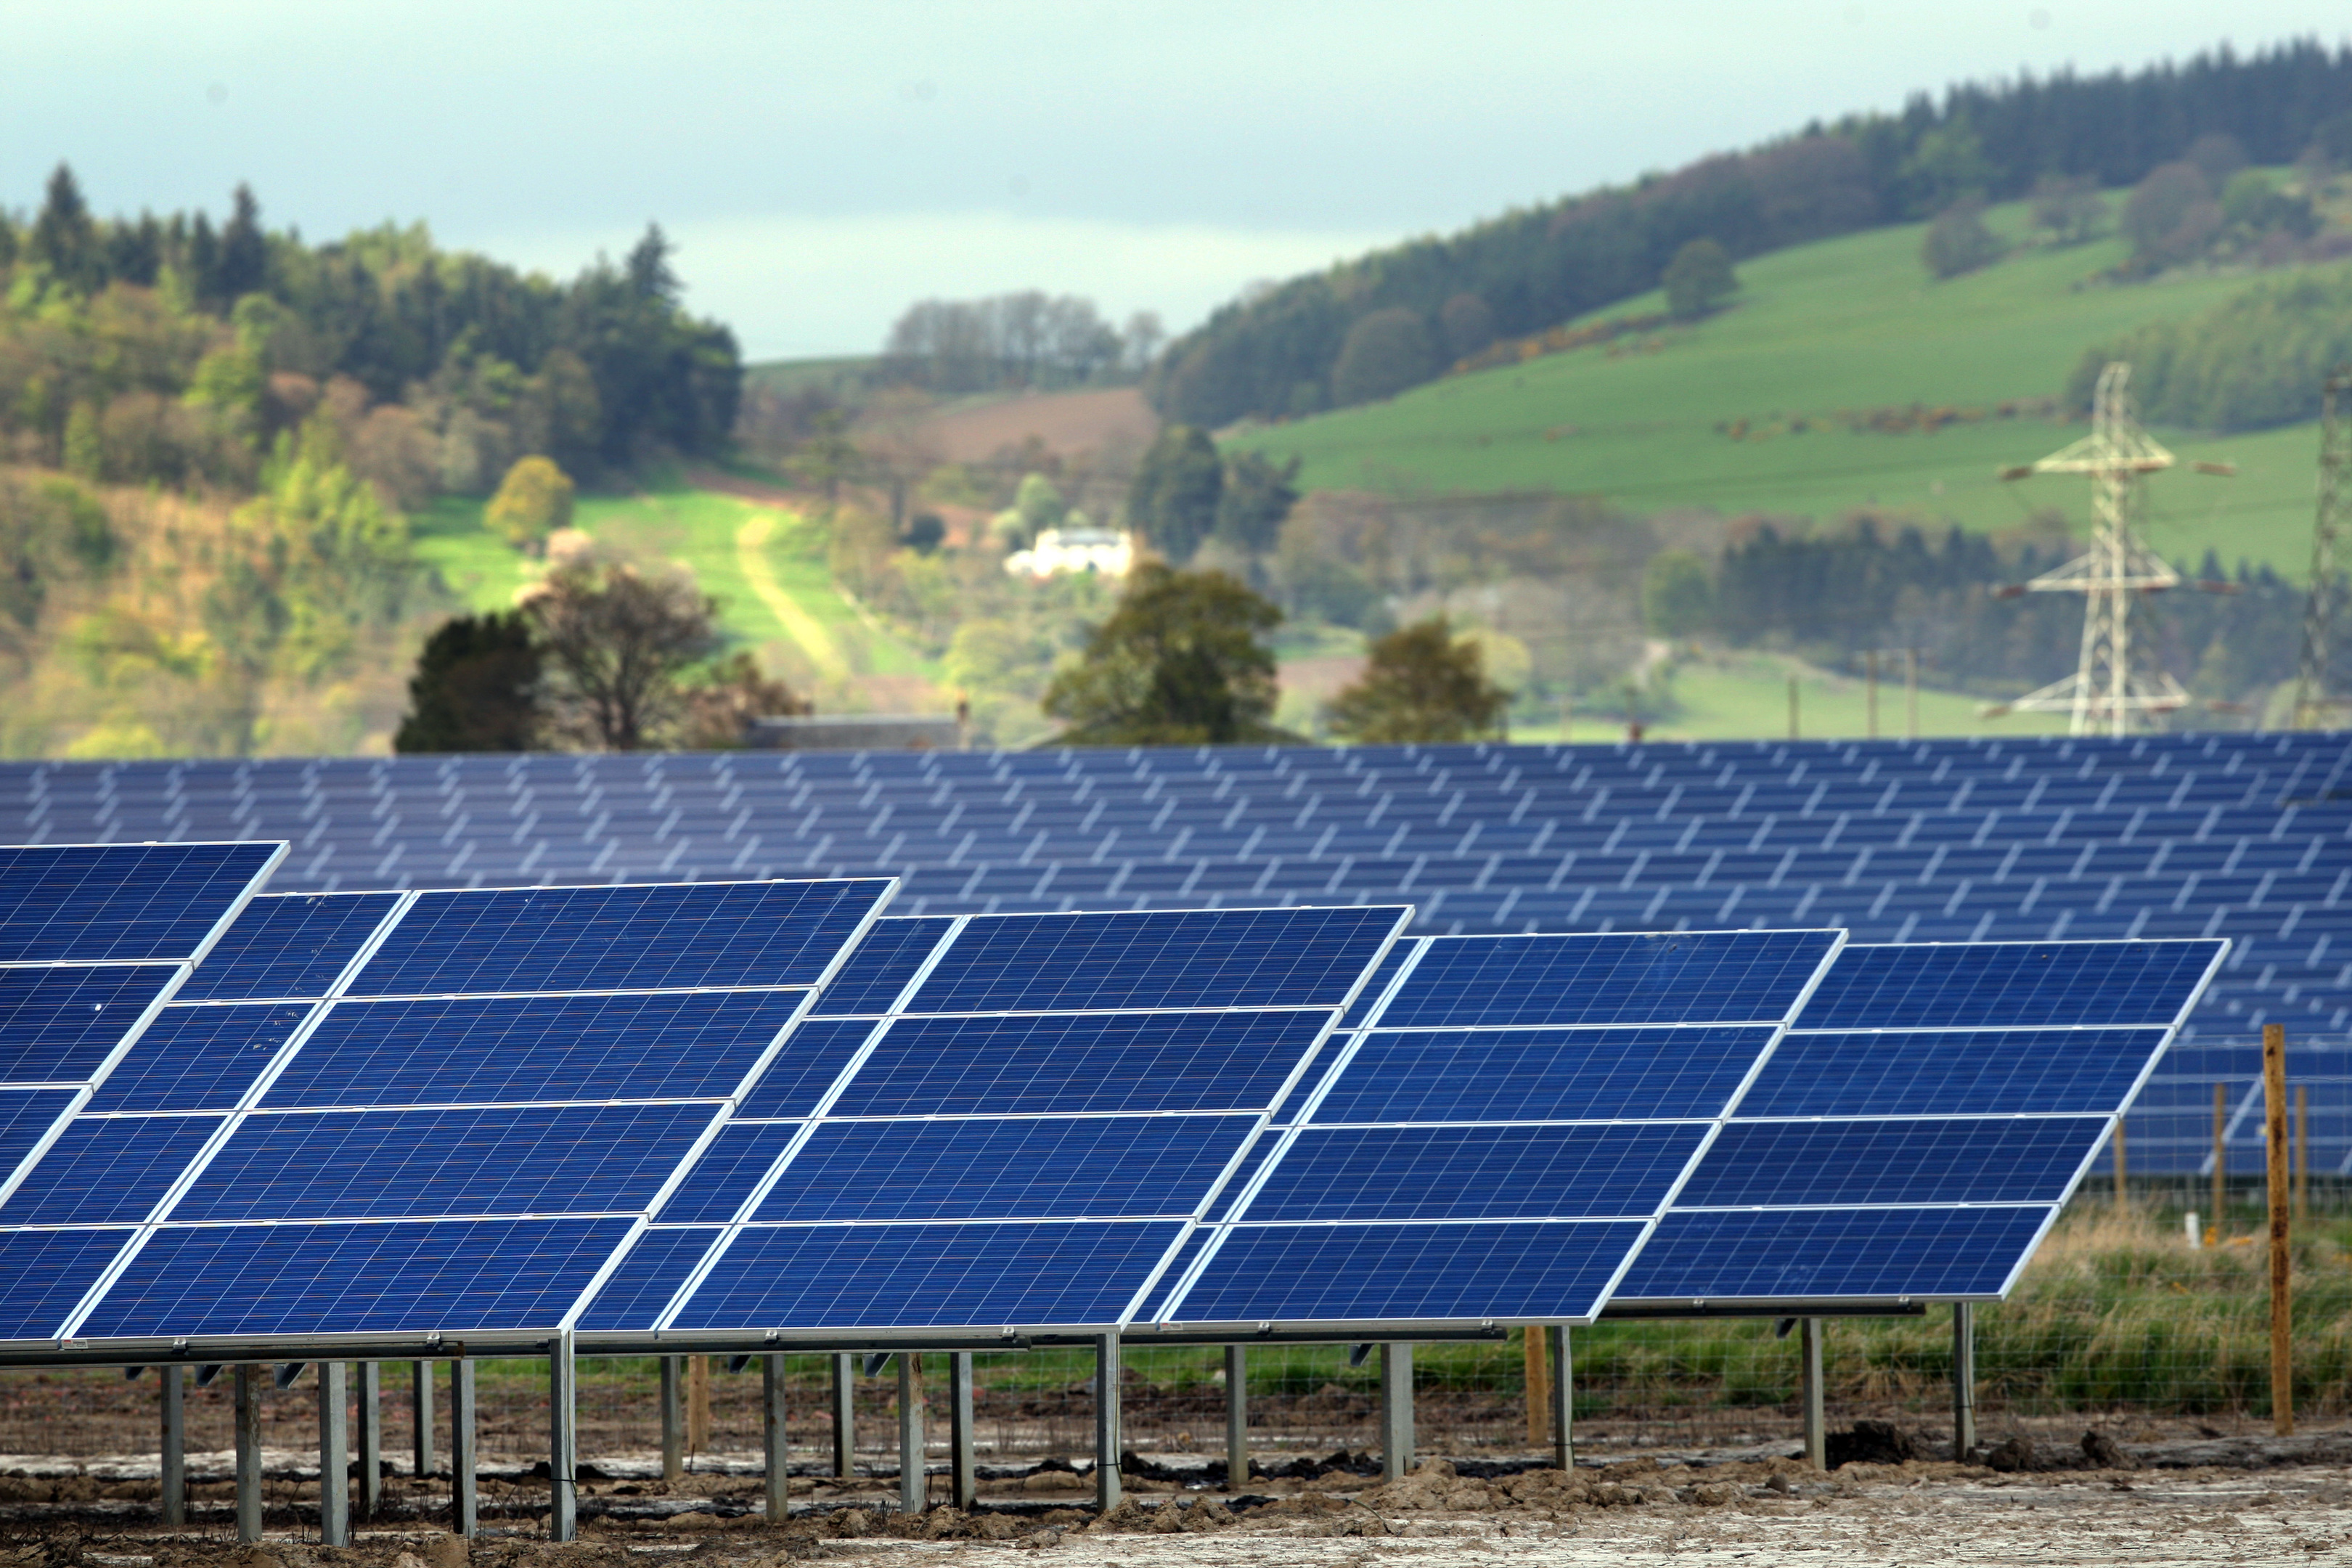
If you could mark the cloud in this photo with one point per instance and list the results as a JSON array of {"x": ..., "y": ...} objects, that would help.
[{"x": 796, "y": 287}]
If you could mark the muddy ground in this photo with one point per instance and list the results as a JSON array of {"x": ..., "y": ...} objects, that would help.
[{"x": 2233, "y": 1500}]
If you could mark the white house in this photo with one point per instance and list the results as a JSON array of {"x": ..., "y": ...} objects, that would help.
[{"x": 1072, "y": 550}]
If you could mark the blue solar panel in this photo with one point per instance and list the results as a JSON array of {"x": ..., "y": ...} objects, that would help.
[
  {"x": 1543, "y": 1075},
  {"x": 1407, "y": 1273},
  {"x": 1375, "y": 986},
  {"x": 1436, "y": 1147},
  {"x": 880, "y": 966},
  {"x": 288, "y": 946},
  {"x": 1488, "y": 1172},
  {"x": 1999, "y": 985},
  {"x": 1967, "y": 1160},
  {"x": 1694, "y": 978},
  {"x": 957, "y": 1127},
  {"x": 420, "y": 1164},
  {"x": 200, "y": 1057},
  {"x": 1815, "y": 1255},
  {"x": 1097, "y": 1062},
  {"x": 1984, "y": 1071},
  {"x": 487, "y": 1210},
  {"x": 58, "y": 1024},
  {"x": 108, "y": 1171},
  {"x": 1095, "y": 1167},
  {"x": 716, "y": 1189},
  {"x": 26, "y": 1117},
  {"x": 44, "y": 1272},
  {"x": 94, "y": 902},
  {"x": 812, "y": 1060},
  {"x": 927, "y": 1276},
  {"x": 455, "y": 1276},
  {"x": 1271, "y": 958},
  {"x": 650, "y": 1273},
  {"x": 1952, "y": 1099},
  {"x": 445, "y": 1051},
  {"x": 619, "y": 939}
]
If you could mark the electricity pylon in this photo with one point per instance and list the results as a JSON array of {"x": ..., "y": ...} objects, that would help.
[
  {"x": 2115, "y": 683},
  {"x": 2312, "y": 700}
]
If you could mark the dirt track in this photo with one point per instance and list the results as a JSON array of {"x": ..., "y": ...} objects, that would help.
[{"x": 1745, "y": 1512}]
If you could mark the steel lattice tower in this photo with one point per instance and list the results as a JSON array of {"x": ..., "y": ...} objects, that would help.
[
  {"x": 2312, "y": 700},
  {"x": 2114, "y": 682}
]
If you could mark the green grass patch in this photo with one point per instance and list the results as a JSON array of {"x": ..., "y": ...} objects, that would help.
[{"x": 1853, "y": 323}]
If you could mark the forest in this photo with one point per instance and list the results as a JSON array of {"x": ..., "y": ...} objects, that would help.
[
  {"x": 1279, "y": 354},
  {"x": 218, "y": 433}
]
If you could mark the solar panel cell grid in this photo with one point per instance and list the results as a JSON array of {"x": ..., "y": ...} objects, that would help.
[
  {"x": 58, "y": 1024},
  {"x": 100, "y": 903},
  {"x": 288, "y": 946},
  {"x": 199, "y": 1058}
]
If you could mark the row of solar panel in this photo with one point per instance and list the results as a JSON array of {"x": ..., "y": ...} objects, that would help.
[{"x": 1073, "y": 1161}]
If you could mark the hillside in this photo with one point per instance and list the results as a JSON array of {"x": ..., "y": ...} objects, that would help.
[
  {"x": 1360, "y": 330},
  {"x": 1701, "y": 415}
]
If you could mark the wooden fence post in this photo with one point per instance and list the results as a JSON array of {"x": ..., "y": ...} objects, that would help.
[{"x": 2282, "y": 1261}]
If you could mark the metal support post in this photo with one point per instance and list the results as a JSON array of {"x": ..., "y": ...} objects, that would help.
[
  {"x": 1964, "y": 1380},
  {"x": 673, "y": 1419},
  {"x": 776, "y": 1460},
  {"x": 562, "y": 1439},
  {"x": 174, "y": 1465},
  {"x": 845, "y": 1417},
  {"x": 913, "y": 1486},
  {"x": 1106, "y": 1437},
  {"x": 334, "y": 1455},
  {"x": 371, "y": 1401},
  {"x": 963, "y": 1466},
  {"x": 698, "y": 1405},
  {"x": 248, "y": 1453},
  {"x": 1816, "y": 1438},
  {"x": 1563, "y": 1403},
  {"x": 1396, "y": 1411},
  {"x": 464, "y": 1451},
  {"x": 421, "y": 1385},
  {"x": 1236, "y": 1417}
]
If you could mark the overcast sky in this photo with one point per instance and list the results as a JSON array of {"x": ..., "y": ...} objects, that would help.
[{"x": 820, "y": 166}]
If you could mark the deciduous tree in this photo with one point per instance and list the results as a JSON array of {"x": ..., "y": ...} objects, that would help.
[
  {"x": 1173, "y": 501},
  {"x": 1421, "y": 684},
  {"x": 534, "y": 500},
  {"x": 1181, "y": 661},
  {"x": 1698, "y": 279},
  {"x": 612, "y": 643}
]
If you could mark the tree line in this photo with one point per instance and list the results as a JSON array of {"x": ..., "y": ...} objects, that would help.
[
  {"x": 1872, "y": 585},
  {"x": 1024, "y": 338},
  {"x": 1280, "y": 353},
  {"x": 169, "y": 349}
]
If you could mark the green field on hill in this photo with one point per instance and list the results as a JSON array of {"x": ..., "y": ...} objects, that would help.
[
  {"x": 764, "y": 564},
  {"x": 1851, "y": 325}
]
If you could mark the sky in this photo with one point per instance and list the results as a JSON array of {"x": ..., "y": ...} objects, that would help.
[{"x": 821, "y": 167}]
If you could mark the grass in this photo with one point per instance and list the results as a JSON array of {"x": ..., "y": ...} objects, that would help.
[
  {"x": 765, "y": 565},
  {"x": 1848, "y": 323}
]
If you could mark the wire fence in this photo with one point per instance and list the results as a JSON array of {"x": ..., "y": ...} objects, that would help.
[{"x": 2120, "y": 1322}]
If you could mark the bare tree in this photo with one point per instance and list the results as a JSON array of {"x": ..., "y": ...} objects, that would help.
[{"x": 612, "y": 642}]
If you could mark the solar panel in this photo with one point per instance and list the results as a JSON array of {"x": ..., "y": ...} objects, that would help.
[
  {"x": 1502, "y": 1130},
  {"x": 1915, "y": 1136},
  {"x": 1026, "y": 1132},
  {"x": 456, "y": 1129}
]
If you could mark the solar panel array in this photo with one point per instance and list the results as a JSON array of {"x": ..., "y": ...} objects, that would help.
[
  {"x": 999, "y": 1121},
  {"x": 1914, "y": 1135},
  {"x": 418, "y": 1112},
  {"x": 742, "y": 1106},
  {"x": 1504, "y": 1121},
  {"x": 2237, "y": 836}
]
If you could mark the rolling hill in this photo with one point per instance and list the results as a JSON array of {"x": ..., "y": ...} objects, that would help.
[{"x": 1753, "y": 409}]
